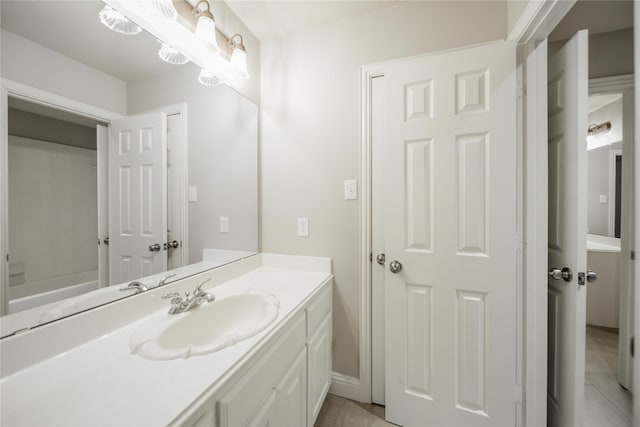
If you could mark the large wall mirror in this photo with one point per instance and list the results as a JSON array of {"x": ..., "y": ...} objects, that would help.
[{"x": 121, "y": 167}]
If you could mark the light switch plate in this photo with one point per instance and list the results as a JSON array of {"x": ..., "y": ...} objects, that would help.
[
  {"x": 224, "y": 224},
  {"x": 193, "y": 194},
  {"x": 303, "y": 227},
  {"x": 350, "y": 189}
]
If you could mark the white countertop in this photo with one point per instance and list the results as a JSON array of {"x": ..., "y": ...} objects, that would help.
[{"x": 102, "y": 383}]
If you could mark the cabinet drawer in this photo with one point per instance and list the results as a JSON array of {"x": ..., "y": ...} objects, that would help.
[
  {"x": 318, "y": 309},
  {"x": 239, "y": 403}
]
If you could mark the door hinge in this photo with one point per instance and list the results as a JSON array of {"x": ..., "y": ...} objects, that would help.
[{"x": 519, "y": 242}]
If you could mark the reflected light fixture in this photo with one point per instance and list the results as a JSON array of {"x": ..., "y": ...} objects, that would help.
[
  {"x": 205, "y": 25},
  {"x": 239, "y": 56},
  {"x": 595, "y": 129},
  {"x": 164, "y": 9},
  {"x": 208, "y": 78},
  {"x": 117, "y": 22},
  {"x": 168, "y": 54}
]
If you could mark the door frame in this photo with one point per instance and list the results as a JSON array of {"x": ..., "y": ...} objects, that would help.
[
  {"x": 10, "y": 88},
  {"x": 622, "y": 84},
  {"x": 539, "y": 24}
]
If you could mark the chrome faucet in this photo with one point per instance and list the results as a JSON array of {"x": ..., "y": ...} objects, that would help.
[
  {"x": 163, "y": 281},
  {"x": 137, "y": 286},
  {"x": 180, "y": 305}
]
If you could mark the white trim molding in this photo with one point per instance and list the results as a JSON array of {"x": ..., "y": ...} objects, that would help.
[
  {"x": 538, "y": 19},
  {"x": 346, "y": 386},
  {"x": 38, "y": 96},
  {"x": 611, "y": 223}
]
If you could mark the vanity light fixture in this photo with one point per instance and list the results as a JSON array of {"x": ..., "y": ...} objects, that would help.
[
  {"x": 239, "y": 56},
  {"x": 190, "y": 35},
  {"x": 168, "y": 54},
  {"x": 595, "y": 129},
  {"x": 117, "y": 22},
  {"x": 164, "y": 9},
  {"x": 208, "y": 78},
  {"x": 206, "y": 25}
]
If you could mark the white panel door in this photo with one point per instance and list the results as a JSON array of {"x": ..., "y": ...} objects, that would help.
[
  {"x": 175, "y": 192},
  {"x": 137, "y": 197},
  {"x": 450, "y": 220},
  {"x": 102, "y": 144},
  {"x": 567, "y": 108}
]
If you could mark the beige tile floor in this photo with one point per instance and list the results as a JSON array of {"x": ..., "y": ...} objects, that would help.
[{"x": 606, "y": 403}]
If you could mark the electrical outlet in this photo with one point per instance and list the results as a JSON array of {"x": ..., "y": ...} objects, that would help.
[
  {"x": 303, "y": 227},
  {"x": 224, "y": 224},
  {"x": 193, "y": 194},
  {"x": 350, "y": 189}
]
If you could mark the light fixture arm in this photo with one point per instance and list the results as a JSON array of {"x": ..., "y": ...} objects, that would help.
[
  {"x": 206, "y": 11},
  {"x": 237, "y": 44}
]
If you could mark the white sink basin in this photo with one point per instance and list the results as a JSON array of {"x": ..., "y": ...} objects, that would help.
[{"x": 205, "y": 329}]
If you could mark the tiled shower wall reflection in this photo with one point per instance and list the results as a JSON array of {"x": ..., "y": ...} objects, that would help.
[{"x": 52, "y": 213}]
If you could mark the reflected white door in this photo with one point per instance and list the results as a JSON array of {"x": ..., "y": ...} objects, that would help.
[
  {"x": 450, "y": 220},
  {"x": 175, "y": 192},
  {"x": 102, "y": 145},
  {"x": 567, "y": 107},
  {"x": 137, "y": 197}
]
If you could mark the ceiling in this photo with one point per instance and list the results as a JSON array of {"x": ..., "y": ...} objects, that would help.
[
  {"x": 599, "y": 16},
  {"x": 73, "y": 29},
  {"x": 274, "y": 19}
]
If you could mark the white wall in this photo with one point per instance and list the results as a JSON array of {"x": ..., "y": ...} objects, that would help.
[
  {"x": 34, "y": 65},
  {"x": 53, "y": 222},
  {"x": 310, "y": 131},
  {"x": 222, "y": 156}
]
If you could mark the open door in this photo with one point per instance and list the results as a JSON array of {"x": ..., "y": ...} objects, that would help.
[
  {"x": 568, "y": 93},
  {"x": 137, "y": 197},
  {"x": 450, "y": 238},
  {"x": 102, "y": 148}
]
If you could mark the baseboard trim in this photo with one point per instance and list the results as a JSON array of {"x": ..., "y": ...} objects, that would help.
[{"x": 346, "y": 386}]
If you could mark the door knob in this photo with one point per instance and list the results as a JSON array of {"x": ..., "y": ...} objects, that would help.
[
  {"x": 154, "y": 248},
  {"x": 592, "y": 276},
  {"x": 173, "y": 245},
  {"x": 380, "y": 259},
  {"x": 566, "y": 274},
  {"x": 395, "y": 266}
]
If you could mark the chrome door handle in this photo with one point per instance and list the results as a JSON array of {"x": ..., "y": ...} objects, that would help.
[
  {"x": 106, "y": 241},
  {"x": 173, "y": 245},
  {"x": 395, "y": 266},
  {"x": 589, "y": 276},
  {"x": 566, "y": 274},
  {"x": 380, "y": 259},
  {"x": 592, "y": 276},
  {"x": 155, "y": 247}
]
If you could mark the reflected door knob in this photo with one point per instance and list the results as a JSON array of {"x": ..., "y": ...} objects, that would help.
[
  {"x": 173, "y": 245},
  {"x": 154, "y": 248},
  {"x": 592, "y": 276},
  {"x": 380, "y": 259},
  {"x": 395, "y": 266}
]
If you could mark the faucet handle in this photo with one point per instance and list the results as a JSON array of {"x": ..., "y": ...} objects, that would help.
[
  {"x": 164, "y": 279},
  {"x": 199, "y": 287},
  {"x": 171, "y": 295}
]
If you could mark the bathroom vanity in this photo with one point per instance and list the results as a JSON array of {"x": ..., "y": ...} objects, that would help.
[{"x": 86, "y": 369}]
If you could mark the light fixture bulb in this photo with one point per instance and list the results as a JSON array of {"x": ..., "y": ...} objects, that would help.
[
  {"x": 207, "y": 78},
  {"x": 206, "y": 26},
  {"x": 163, "y": 8},
  {"x": 117, "y": 22},
  {"x": 239, "y": 62},
  {"x": 170, "y": 55}
]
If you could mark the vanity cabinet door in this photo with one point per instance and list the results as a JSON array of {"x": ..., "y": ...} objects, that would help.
[
  {"x": 319, "y": 356},
  {"x": 291, "y": 393},
  {"x": 266, "y": 413}
]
